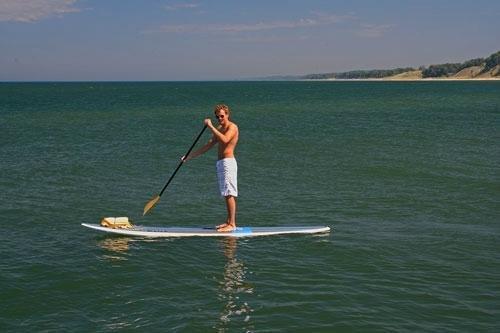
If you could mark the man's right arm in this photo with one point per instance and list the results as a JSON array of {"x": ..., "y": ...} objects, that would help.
[{"x": 201, "y": 150}]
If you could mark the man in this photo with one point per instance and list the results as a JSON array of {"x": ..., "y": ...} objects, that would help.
[{"x": 226, "y": 136}]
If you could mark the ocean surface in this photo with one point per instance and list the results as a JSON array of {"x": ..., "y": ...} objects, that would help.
[{"x": 405, "y": 174}]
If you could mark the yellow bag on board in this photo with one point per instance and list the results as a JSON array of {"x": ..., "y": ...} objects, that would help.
[{"x": 116, "y": 222}]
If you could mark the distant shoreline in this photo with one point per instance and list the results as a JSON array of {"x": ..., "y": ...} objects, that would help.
[
  {"x": 404, "y": 80},
  {"x": 261, "y": 80},
  {"x": 479, "y": 69}
]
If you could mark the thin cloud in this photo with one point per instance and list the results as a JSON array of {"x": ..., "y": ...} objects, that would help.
[
  {"x": 317, "y": 20},
  {"x": 374, "y": 31},
  {"x": 267, "y": 39},
  {"x": 35, "y": 10},
  {"x": 179, "y": 6}
]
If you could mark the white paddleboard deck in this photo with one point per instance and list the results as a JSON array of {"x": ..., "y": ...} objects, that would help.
[{"x": 138, "y": 230}]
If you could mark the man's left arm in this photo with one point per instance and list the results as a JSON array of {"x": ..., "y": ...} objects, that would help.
[{"x": 223, "y": 137}]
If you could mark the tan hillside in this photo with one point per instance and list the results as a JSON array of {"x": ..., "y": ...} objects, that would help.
[
  {"x": 494, "y": 72},
  {"x": 411, "y": 75},
  {"x": 468, "y": 73}
]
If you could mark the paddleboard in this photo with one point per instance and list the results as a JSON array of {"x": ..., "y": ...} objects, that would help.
[{"x": 144, "y": 231}]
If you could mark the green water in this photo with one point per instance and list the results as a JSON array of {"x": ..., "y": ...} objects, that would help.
[{"x": 406, "y": 174}]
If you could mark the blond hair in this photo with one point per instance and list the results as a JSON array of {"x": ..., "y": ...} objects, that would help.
[{"x": 222, "y": 107}]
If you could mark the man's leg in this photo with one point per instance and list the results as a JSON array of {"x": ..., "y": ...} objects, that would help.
[
  {"x": 231, "y": 210},
  {"x": 231, "y": 214}
]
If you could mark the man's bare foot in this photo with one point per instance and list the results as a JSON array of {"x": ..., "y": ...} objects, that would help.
[
  {"x": 222, "y": 225},
  {"x": 227, "y": 228}
]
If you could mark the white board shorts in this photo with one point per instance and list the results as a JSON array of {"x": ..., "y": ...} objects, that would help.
[{"x": 227, "y": 175}]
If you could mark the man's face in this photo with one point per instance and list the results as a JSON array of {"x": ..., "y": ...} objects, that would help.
[{"x": 221, "y": 116}]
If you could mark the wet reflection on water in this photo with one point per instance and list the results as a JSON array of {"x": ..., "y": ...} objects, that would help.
[
  {"x": 233, "y": 288},
  {"x": 117, "y": 247}
]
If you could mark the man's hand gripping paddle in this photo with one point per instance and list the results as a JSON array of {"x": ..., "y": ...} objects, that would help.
[{"x": 153, "y": 201}]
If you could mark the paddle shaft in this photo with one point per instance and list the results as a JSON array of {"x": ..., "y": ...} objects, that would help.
[{"x": 182, "y": 162}]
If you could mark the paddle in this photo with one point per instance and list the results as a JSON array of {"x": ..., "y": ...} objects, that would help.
[{"x": 153, "y": 201}]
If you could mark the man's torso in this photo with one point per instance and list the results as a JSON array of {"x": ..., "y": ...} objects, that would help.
[{"x": 226, "y": 150}]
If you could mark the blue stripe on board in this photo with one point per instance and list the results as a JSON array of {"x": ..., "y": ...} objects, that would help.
[{"x": 242, "y": 230}]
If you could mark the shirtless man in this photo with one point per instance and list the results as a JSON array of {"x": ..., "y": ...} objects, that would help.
[{"x": 226, "y": 136}]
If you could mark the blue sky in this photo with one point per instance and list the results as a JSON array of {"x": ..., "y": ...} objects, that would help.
[{"x": 215, "y": 40}]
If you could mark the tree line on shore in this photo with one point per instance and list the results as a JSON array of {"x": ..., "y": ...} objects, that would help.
[{"x": 433, "y": 71}]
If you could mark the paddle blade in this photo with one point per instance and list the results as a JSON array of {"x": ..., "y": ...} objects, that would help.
[{"x": 150, "y": 204}]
